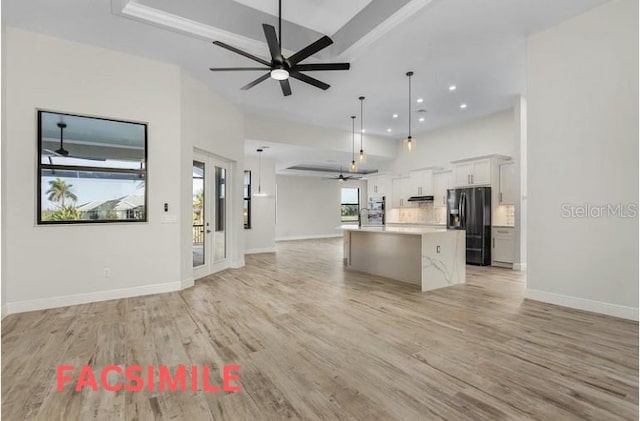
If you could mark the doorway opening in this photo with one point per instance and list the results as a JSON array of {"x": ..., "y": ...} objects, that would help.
[{"x": 210, "y": 212}]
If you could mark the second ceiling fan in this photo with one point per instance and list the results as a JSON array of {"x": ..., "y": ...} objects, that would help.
[{"x": 281, "y": 68}]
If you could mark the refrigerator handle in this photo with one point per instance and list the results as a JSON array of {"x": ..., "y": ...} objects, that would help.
[{"x": 462, "y": 207}]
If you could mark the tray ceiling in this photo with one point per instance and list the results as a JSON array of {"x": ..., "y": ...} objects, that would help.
[{"x": 324, "y": 16}]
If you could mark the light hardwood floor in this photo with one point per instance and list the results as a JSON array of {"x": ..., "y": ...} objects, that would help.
[{"x": 316, "y": 342}]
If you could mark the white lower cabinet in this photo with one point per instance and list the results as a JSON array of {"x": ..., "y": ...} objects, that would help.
[{"x": 502, "y": 242}]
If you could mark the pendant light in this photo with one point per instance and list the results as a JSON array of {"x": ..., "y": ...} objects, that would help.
[
  {"x": 410, "y": 142},
  {"x": 260, "y": 194},
  {"x": 362, "y": 157},
  {"x": 353, "y": 167}
]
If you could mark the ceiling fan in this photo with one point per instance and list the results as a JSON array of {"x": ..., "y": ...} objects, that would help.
[
  {"x": 281, "y": 68},
  {"x": 342, "y": 177},
  {"x": 62, "y": 152}
]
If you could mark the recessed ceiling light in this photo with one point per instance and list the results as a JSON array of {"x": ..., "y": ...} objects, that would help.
[
  {"x": 364, "y": 130},
  {"x": 420, "y": 101},
  {"x": 452, "y": 87},
  {"x": 463, "y": 106},
  {"x": 388, "y": 130},
  {"x": 421, "y": 120},
  {"x": 395, "y": 116}
]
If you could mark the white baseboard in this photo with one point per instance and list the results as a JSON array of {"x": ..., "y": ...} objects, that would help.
[
  {"x": 308, "y": 237},
  {"x": 262, "y": 250},
  {"x": 90, "y": 297},
  {"x": 3, "y": 311},
  {"x": 187, "y": 283},
  {"x": 237, "y": 264},
  {"x": 521, "y": 267},
  {"x": 614, "y": 310}
]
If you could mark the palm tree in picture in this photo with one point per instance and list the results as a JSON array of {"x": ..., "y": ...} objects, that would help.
[
  {"x": 59, "y": 190},
  {"x": 198, "y": 206}
]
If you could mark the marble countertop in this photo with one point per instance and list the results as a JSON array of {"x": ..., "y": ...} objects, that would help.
[
  {"x": 415, "y": 224},
  {"x": 393, "y": 230}
]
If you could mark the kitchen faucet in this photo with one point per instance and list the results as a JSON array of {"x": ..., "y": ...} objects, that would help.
[{"x": 360, "y": 216}]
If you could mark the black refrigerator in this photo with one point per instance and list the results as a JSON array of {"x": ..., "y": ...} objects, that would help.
[{"x": 469, "y": 209}]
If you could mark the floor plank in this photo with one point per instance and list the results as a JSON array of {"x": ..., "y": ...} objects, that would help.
[{"x": 317, "y": 342}]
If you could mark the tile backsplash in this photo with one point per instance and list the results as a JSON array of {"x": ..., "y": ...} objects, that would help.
[{"x": 423, "y": 213}]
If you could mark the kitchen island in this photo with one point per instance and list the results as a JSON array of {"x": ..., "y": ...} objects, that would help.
[{"x": 427, "y": 257}]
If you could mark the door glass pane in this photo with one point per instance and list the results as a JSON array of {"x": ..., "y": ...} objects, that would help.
[
  {"x": 220, "y": 246},
  {"x": 198, "y": 213}
]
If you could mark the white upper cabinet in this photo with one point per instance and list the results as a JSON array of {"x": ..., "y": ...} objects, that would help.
[
  {"x": 399, "y": 192},
  {"x": 463, "y": 174},
  {"x": 379, "y": 186},
  {"x": 481, "y": 172},
  {"x": 508, "y": 184},
  {"x": 473, "y": 173},
  {"x": 442, "y": 181},
  {"x": 420, "y": 183}
]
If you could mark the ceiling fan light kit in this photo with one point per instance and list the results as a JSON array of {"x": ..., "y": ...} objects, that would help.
[{"x": 281, "y": 68}]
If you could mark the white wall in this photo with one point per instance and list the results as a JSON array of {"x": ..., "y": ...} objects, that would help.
[
  {"x": 212, "y": 125},
  {"x": 261, "y": 238},
  {"x": 3, "y": 142},
  {"x": 49, "y": 266},
  {"x": 309, "y": 207},
  {"x": 583, "y": 148},
  {"x": 492, "y": 134}
]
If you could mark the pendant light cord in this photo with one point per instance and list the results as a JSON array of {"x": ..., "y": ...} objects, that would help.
[
  {"x": 280, "y": 24},
  {"x": 353, "y": 138},
  {"x": 259, "y": 171},
  {"x": 361, "y": 121},
  {"x": 410, "y": 74}
]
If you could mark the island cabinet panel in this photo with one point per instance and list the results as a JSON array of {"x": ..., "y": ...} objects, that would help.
[
  {"x": 429, "y": 258},
  {"x": 443, "y": 259},
  {"x": 370, "y": 253}
]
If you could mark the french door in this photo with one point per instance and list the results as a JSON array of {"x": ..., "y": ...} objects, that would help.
[{"x": 210, "y": 212}]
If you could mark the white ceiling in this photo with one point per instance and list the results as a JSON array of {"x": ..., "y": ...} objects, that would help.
[
  {"x": 480, "y": 46},
  {"x": 324, "y": 16},
  {"x": 287, "y": 155}
]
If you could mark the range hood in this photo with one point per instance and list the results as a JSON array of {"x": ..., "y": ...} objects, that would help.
[{"x": 421, "y": 199}]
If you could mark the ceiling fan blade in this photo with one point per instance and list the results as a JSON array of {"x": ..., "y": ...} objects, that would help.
[
  {"x": 235, "y": 69},
  {"x": 272, "y": 42},
  {"x": 308, "y": 79},
  {"x": 255, "y": 82},
  {"x": 321, "y": 66},
  {"x": 242, "y": 53},
  {"x": 286, "y": 87},
  {"x": 310, "y": 50}
]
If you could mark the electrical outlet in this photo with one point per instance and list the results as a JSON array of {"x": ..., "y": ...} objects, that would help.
[{"x": 107, "y": 272}]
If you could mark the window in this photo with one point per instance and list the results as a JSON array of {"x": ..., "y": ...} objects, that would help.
[
  {"x": 247, "y": 200},
  {"x": 91, "y": 169},
  {"x": 350, "y": 204}
]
